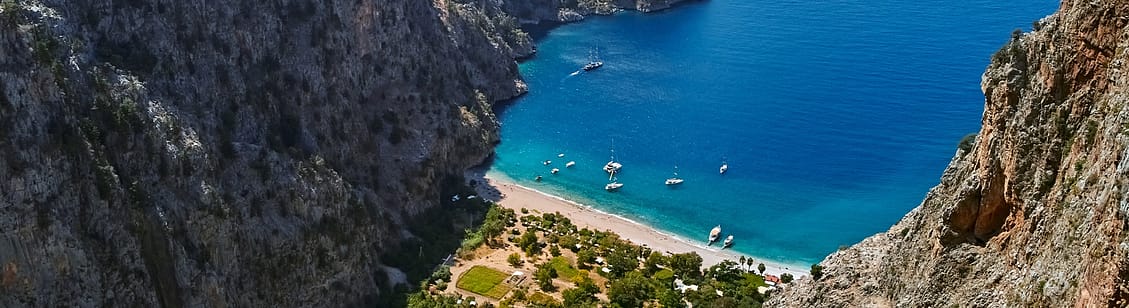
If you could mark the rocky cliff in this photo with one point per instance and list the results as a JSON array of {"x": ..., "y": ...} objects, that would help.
[
  {"x": 1033, "y": 211},
  {"x": 243, "y": 153}
]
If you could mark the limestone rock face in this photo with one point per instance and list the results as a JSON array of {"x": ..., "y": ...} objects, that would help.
[
  {"x": 248, "y": 153},
  {"x": 1034, "y": 212},
  {"x": 242, "y": 153}
]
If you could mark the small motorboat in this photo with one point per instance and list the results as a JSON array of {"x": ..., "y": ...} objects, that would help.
[
  {"x": 538, "y": 178},
  {"x": 728, "y": 242},
  {"x": 674, "y": 180},
  {"x": 560, "y": 155},
  {"x": 724, "y": 168},
  {"x": 554, "y": 171},
  {"x": 547, "y": 162},
  {"x": 613, "y": 186},
  {"x": 593, "y": 60},
  {"x": 716, "y": 232},
  {"x": 570, "y": 164}
]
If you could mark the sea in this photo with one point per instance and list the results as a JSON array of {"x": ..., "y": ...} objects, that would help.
[{"x": 835, "y": 117}]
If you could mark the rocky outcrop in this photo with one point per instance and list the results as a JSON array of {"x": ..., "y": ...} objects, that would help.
[
  {"x": 244, "y": 153},
  {"x": 1033, "y": 212},
  {"x": 502, "y": 20},
  {"x": 172, "y": 153}
]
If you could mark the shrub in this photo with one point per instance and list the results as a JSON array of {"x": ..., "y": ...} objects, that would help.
[
  {"x": 514, "y": 259},
  {"x": 816, "y": 271},
  {"x": 544, "y": 276},
  {"x": 528, "y": 243},
  {"x": 786, "y": 278},
  {"x": 967, "y": 142}
]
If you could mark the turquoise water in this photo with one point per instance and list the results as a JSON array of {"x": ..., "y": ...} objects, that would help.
[{"x": 835, "y": 117}]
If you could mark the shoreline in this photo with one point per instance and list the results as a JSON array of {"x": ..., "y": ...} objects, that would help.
[{"x": 515, "y": 196}]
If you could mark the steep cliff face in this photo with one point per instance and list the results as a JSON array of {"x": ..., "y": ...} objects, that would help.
[
  {"x": 1033, "y": 213},
  {"x": 244, "y": 152},
  {"x": 241, "y": 153},
  {"x": 503, "y": 18}
]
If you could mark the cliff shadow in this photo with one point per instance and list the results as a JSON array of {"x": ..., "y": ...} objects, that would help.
[{"x": 476, "y": 180}]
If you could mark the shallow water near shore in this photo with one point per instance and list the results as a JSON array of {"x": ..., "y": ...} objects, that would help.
[{"x": 835, "y": 118}]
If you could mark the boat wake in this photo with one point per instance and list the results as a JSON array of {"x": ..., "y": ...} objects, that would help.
[{"x": 574, "y": 73}]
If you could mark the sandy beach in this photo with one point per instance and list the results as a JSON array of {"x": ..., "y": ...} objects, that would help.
[{"x": 516, "y": 197}]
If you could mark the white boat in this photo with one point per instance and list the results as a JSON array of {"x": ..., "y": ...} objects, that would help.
[
  {"x": 724, "y": 168},
  {"x": 560, "y": 155},
  {"x": 716, "y": 232},
  {"x": 593, "y": 60},
  {"x": 570, "y": 164},
  {"x": 674, "y": 180},
  {"x": 613, "y": 186},
  {"x": 554, "y": 171},
  {"x": 547, "y": 162},
  {"x": 612, "y": 166},
  {"x": 728, "y": 242}
]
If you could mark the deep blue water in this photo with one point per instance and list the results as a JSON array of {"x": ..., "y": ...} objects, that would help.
[{"x": 836, "y": 117}]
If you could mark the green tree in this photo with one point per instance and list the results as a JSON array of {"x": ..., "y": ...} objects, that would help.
[
  {"x": 528, "y": 243},
  {"x": 584, "y": 258},
  {"x": 578, "y": 298},
  {"x": 724, "y": 302},
  {"x": 621, "y": 261},
  {"x": 652, "y": 263},
  {"x": 544, "y": 276},
  {"x": 494, "y": 224},
  {"x": 727, "y": 271},
  {"x": 568, "y": 242},
  {"x": 816, "y": 271},
  {"x": 741, "y": 262},
  {"x": 786, "y": 278},
  {"x": 687, "y": 265},
  {"x": 585, "y": 283},
  {"x": 664, "y": 277},
  {"x": 441, "y": 274},
  {"x": 514, "y": 259},
  {"x": 630, "y": 291},
  {"x": 761, "y": 268},
  {"x": 669, "y": 298},
  {"x": 554, "y": 251}
]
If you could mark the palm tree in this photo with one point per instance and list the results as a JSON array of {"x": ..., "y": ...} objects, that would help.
[
  {"x": 750, "y": 262},
  {"x": 742, "y": 262}
]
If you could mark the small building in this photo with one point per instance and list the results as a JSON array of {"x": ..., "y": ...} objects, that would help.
[{"x": 772, "y": 279}]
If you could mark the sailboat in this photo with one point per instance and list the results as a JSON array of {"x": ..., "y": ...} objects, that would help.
[
  {"x": 674, "y": 180},
  {"x": 593, "y": 60},
  {"x": 716, "y": 232},
  {"x": 612, "y": 166}
]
